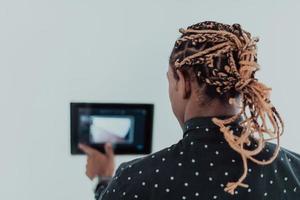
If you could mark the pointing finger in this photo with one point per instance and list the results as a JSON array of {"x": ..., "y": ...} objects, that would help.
[{"x": 86, "y": 149}]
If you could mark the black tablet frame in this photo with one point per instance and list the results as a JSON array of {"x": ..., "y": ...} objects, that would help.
[{"x": 74, "y": 107}]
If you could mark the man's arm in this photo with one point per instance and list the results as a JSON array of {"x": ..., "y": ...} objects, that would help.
[{"x": 103, "y": 183}]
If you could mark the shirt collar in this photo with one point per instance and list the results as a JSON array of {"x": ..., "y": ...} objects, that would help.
[{"x": 205, "y": 123}]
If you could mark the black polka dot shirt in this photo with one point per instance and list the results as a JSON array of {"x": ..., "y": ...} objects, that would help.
[{"x": 199, "y": 166}]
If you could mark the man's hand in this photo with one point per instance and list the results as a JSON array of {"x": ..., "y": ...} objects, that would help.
[{"x": 99, "y": 164}]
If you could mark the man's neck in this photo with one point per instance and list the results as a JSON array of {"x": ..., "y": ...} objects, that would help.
[{"x": 214, "y": 108}]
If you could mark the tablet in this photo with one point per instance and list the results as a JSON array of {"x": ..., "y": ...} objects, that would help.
[{"x": 127, "y": 126}]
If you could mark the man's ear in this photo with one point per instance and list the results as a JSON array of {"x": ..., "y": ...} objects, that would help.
[{"x": 183, "y": 84}]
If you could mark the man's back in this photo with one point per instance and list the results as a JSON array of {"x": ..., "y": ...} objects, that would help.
[{"x": 200, "y": 165}]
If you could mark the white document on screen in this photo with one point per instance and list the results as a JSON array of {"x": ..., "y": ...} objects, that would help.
[{"x": 109, "y": 129}]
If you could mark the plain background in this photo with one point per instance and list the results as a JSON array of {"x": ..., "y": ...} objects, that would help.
[{"x": 53, "y": 52}]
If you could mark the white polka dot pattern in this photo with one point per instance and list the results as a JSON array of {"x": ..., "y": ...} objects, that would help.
[{"x": 200, "y": 165}]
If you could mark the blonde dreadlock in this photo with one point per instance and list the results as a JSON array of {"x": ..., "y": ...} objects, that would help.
[{"x": 237, "y": 74}]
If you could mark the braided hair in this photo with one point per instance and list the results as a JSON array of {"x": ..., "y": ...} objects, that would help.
[{"x": 224, "y": 58}]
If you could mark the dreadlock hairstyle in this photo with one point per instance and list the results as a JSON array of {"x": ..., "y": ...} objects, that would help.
[{"x": 224, "y": 58}]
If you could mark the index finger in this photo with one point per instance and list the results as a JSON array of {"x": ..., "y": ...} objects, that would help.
[{"x": 86, "y": 149}]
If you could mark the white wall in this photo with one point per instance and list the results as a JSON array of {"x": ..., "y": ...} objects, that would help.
[{"x": 56, "y": 51}]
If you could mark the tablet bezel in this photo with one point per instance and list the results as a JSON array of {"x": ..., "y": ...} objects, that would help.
[{"x": 74, "y": 107}]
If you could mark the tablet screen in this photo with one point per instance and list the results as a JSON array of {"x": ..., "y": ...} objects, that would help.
[{"x": 127, "y": 126}]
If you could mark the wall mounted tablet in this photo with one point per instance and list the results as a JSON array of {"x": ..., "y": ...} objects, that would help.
[{"x": 127, "y": 126}]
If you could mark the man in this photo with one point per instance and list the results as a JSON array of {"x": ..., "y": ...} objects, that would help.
[{"x": 223, "y": 153}]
